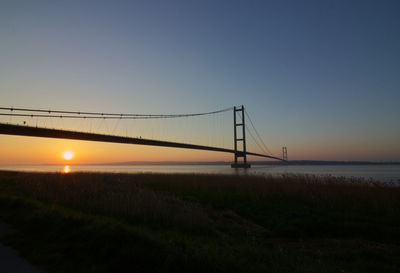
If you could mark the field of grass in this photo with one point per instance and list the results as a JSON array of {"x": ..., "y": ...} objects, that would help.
[{"x": 93, "y": 222}]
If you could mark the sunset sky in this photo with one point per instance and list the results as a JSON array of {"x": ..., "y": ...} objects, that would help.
[{"x": 320, "y": 77}]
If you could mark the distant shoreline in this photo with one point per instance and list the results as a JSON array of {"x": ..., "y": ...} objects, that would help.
[{"x": 258, "y": 163}]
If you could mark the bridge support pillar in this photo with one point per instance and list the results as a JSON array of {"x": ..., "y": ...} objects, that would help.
[
  {"x": 284, "y": 154},
  {"x": 241, "y": 139}
]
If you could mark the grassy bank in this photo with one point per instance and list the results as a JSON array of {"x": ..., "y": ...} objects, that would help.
[{"x": 86, "y": 222}]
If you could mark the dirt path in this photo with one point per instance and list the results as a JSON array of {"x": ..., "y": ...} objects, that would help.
[{"x": 10, "y": 262}]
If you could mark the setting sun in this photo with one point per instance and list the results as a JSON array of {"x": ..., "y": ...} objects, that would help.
[{"x": 68, "y": 155}]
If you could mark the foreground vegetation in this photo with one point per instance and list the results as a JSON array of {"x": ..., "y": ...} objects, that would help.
[{"x": 86, "y": 222}]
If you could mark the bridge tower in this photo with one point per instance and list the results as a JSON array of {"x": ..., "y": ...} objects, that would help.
[
  {"x": 284, "y": 153},
  {"x": 241, "y": 139}
]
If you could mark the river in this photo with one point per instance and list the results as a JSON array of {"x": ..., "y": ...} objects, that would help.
[{"x": 383, "y": 173}]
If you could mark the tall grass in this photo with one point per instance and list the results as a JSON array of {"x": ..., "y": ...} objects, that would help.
[
  {"x": 213, "y": 202},
  {"x": 214, "y": 223},
  {"x": 131, "y": 198}
]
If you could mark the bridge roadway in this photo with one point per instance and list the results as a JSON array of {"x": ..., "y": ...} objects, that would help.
[{"x": 19, "y": 130}]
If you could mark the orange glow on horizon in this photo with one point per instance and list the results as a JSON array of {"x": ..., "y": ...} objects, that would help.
[{"x": 26, "y": 150}]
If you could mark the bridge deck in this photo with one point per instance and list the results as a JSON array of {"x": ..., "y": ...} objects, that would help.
[{"x": 11, "y": 129}]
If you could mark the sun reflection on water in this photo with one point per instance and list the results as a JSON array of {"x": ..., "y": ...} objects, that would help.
[{"x": 66, "y": 169}]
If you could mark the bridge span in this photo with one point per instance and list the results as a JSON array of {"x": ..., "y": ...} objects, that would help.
[{"x": 19, "y": 130}]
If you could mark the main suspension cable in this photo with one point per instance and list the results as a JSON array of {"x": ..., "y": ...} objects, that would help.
[
  {"x": 87, "y": 117},
  {"x": 98, "y": 115}
]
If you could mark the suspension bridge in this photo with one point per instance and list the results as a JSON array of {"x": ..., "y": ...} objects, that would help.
[{"x": 239, "y": 150}]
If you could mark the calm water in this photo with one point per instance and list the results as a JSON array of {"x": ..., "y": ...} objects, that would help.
[{"x": 384, "y": 173}]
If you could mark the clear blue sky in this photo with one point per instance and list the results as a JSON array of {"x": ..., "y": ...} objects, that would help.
[{"x": 321, "y": 77}]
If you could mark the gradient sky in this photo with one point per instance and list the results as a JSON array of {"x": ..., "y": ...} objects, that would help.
[{"x": 320, "y": 77}]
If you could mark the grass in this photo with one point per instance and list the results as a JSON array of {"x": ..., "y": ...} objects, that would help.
[{"x": 93, "y": 222}]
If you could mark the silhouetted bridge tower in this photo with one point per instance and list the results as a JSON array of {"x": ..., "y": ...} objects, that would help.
[
  {"x": 284, "y": 153},
  {"x": 239, "y": 114},
  {"x": 239, "y": 137}
]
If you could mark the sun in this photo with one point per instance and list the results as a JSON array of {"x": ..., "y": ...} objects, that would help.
[{"x": 68, "y": 155}]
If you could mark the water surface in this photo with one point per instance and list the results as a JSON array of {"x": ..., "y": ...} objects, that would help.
[{"x": 384, "y": 173}]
